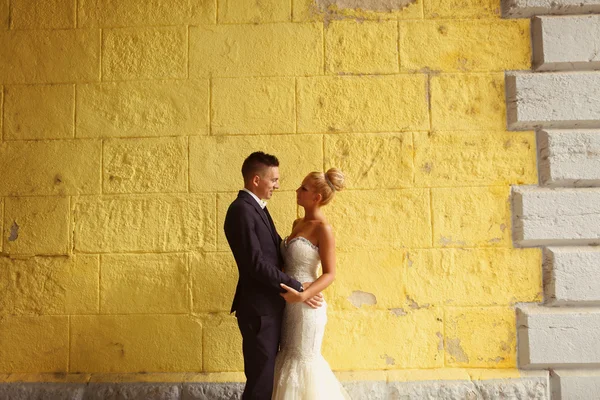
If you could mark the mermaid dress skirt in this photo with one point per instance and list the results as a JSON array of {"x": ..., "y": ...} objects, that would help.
[{"x": 301, "y": 372}]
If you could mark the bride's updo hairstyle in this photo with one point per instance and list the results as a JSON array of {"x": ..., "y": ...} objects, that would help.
[{"x": 326, "y": 184}]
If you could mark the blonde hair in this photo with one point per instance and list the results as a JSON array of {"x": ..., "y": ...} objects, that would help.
[{"x": 326, "y": 184}]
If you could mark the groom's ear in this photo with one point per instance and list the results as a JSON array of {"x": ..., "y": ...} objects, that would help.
[{"x": 255, "y": 180}]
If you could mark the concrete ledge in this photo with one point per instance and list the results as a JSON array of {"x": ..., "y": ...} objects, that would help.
[
  {"x": 133, "y": 391},
  {"x": 551, "y": 337},
  {"x": 522, "y": 388},
  {"x": 547, "y": 217},
  {"x": 42, "y": 391},
  {"x": 529, "y": 386},
  {"x": 572, "y": 276},
  {"x": 566, "y": 43},
  {"x": 569, "y": 158},
  {"x": 529, "y": 8},
  {"x": 553, "y": 100},
  {"x": 575, "y": 384}
]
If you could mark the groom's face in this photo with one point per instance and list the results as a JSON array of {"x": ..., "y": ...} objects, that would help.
[{"x": 268, "y": 182}]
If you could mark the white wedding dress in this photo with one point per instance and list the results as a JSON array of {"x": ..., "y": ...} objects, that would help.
[{"x": 301, "y": 372}]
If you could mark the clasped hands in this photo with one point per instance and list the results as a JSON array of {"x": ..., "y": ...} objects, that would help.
[{"x": 294, "y": 296}]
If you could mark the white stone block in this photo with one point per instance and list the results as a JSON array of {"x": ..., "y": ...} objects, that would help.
[
  {"x": 572, "y": 275},
  {"x": 529, "y": 8},
  {"x": 546, "y": 217},
  {"x": 553, "y": 100},
  {"x": 569, "y": 157},
  {"x": 566, "y": 43},
  {"x": 575, "y": 384},
  {"x": 553, "y": 337}
]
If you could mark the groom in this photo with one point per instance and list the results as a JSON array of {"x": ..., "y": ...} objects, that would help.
[{"x": 255, "y": 245}]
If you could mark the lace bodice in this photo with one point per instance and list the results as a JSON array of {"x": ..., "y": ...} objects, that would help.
[{"x": 301, "y": 259}]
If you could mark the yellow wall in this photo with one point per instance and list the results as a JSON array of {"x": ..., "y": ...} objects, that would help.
[{"x": 124, "y": 126}]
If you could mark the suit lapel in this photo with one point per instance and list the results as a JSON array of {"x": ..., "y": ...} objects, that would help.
[{"x": 260, "y": 211}]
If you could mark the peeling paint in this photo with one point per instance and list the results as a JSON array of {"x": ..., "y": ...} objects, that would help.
[
  {"x": 414, "y": 305},
  {"x": 455, "y": 350},
  {"x": 14, "y": 232},
  {"x": 445, "y": 241},
  {"x": 366, "y": 5},
  {"x": 388, "y": 360},
  {"x": 441, "y": 340},
  {"x": 359, "y": 298},
  {"x": 398, "y": 312}
]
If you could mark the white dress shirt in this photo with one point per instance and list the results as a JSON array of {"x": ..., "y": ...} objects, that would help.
[{"x": 261, "y": 203}]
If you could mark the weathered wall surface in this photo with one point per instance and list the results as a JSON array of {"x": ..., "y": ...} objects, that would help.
[
  {"x": 124, "y": 125},
  {"x": 562, "y": 215}
]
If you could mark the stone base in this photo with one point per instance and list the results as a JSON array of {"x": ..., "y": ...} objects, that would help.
[{"x": 525, "y": 388}]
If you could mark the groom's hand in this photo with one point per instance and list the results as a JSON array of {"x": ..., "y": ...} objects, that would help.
[{"x": 291, "y": 295}]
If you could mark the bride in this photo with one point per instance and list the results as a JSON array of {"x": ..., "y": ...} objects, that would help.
[{"x": 301, "y": 372}]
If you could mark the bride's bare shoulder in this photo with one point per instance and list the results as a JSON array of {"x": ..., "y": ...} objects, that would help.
[{"x": 323, "y": 227}]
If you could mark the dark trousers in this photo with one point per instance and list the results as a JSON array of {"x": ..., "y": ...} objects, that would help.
[{"x": 260, "y": 342}]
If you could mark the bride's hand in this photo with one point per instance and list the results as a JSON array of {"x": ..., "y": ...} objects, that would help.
[
  {"x": 316, "y": 301},
  {"x": 292, "y": 295}
]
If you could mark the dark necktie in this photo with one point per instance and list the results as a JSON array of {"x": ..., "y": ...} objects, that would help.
[{"x": 270, "y": 219}]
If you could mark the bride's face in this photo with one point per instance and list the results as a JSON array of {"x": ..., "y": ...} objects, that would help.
[{"x": 305, "y": 194}]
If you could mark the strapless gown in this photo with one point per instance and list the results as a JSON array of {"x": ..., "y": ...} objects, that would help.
[{"x": 301, "y": 372}]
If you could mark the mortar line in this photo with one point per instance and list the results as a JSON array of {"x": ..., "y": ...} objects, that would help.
[
  {"x": 216, "y": 23},
  {"x": 217, "y": 217},
  {"x": 71, "y": 226},
  {"x": 225, "y": 312},
  {"x": 210, "y": 105},
  {"x": 444, "y": 335},
  {"x": 189, "y": 171},
  {"x": 323, "y": 151},
  {"x": 190, "y": 283},
  {"x": 2, "y": 121},
  {"x": 102, "y": 167},
  {"x": 324, "y": 70},
  {"x": 10, "y": 11},
  {"x": 412, "y": 136},
  {"x": 295, "y": 105},
  {"x": 292, "y": 11},
  {"x": 429, "y": 113},
  {"x": 232, "y": 191},
  {"x": 431, "y": 214},
  {"x": 407, "y": 74},
  {"x": 398, "y": 46},
  {"x": 398, "y": 249},
  {"x": 537, "y": 159},
  {"x": 101, "y": 51},
  {"x": 188, "y": 51},
  {"x": 69, "y": 342},
  {"x": 74, "y": 111},
  {"x": 491, "y": 20},
  {"x": 76, "y": 13},
  {"x": 2, "y": 215},
  {"x": 99, "y": 283}
]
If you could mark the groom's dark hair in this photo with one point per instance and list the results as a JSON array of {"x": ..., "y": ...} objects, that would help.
[{"x": 256, "y": 162}]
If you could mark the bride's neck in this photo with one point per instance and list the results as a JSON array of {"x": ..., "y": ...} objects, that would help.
[{"x": 313, "y": 213}]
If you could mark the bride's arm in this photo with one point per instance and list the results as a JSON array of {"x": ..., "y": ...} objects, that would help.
[{"x": 327, "y": 254}]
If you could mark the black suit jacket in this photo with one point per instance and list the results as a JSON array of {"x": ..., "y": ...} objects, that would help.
[{"x": 255, "y": 245}]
